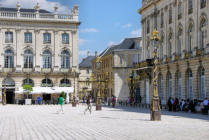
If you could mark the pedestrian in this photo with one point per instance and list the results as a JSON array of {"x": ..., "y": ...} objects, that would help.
[
  {"x": 39, "y": 99},
  {"x": 205, "y": 104},
  {"x": 61, "y": 102},
  {"x": 89, "y": 106}
]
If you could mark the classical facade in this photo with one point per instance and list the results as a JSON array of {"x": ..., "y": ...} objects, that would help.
[
  {"x": 39, "y": 48},
  {"x": 183, "y": 49},
  {"x": 116, "y": 64},
  {"x": 85, "y": 70}
]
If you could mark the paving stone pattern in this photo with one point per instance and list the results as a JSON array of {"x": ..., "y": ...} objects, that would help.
[{"x": 41, "y": 122}]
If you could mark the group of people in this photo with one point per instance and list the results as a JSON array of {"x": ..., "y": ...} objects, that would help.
[
  {"x": 188, "y": 105},
  {"x": 132, "y": 101}
]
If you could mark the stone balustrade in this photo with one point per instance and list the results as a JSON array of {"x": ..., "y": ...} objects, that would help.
[{"x": 47, "y": 16}]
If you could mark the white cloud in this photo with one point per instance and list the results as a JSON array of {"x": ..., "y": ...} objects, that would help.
[
  {"x": 83, "y": 52},
  {"x": 44, "y": 4},
  {"x": 83, "y": 41},
  {"x": 110, "y": 43},
  {"x": 89, "y": 30},
  {"x": 127, "y": 25},
  {"x": 136, "y": 33}
]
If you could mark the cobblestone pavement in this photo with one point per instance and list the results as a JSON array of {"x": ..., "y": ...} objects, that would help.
[{"x": 43, "y": 123}]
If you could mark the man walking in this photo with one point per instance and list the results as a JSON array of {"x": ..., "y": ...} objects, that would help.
[
  {"x": 61, "y": 102},
  {"x": 89, "y": 107}
]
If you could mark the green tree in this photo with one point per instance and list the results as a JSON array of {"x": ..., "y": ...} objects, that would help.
[{"x": 28, "y": 89}]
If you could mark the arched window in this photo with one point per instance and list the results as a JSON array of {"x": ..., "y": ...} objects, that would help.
[
  {"x": 169, "y": 45},
  {"x": 47, "y": 59},
  {"x": 28, "y": 82},
  {"x": 28, "y": 59},
  {"x": 160, "y": 86},
  {"x": 179, "y": 41},
  {"x": 65, "y": 59},
  {"x": 179, "y": 85},
  {"x": 47, "y": 83},
  {"x": 65, "y": 38},
  {"x": 190, "y": 30},
  {"x": 65, "y": 83},
  {"x": 180, "y": 10},
  {"x": 189, "y": 84},
  {"x": 202, "y": 84},
  {"x": 9, "y": 59},
  {"x": 169, "y": 83},
  {"x": 190, "y": 6},
  {"x": 202, "y": 32},
  {"x": 203, "y": 4}
]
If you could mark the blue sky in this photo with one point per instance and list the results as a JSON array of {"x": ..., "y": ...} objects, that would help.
[{"x": 104, "y": 22}]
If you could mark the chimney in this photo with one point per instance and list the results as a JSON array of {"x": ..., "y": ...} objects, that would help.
[
  {"x": 95, "y": 53},
  {"x": 88, "y": 53}
]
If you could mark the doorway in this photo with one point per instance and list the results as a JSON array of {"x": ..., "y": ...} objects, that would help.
[{"x": 10, "y": 96}]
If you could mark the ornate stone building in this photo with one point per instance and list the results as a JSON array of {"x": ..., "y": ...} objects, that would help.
[
  {"x": 85, "y": 70},
  {"x": 116, "y": 64},
  {"x": 183, "y": 50},
  {"x": 39, "y": 48}
]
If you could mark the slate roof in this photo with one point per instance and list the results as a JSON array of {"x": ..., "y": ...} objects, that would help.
[
  {"x": 128, "y": 43},
  {"x": 86, "y": 62},
  {"x": 22, "y": 10}
]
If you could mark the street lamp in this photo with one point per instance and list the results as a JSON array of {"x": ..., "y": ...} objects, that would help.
[
  {"x": 74, "y": 99},
  {"x": 155, "y": 108},
  {"x": 98, "y": 100}
]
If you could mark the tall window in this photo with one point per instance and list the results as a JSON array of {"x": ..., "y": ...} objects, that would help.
[
  {"x": 65, "y": 59},
  {"x": 148, "y": 26},
  {"x": 65, "y": 83},
  {"x": 28, "y": 82},
  {"x": 47, "y": 59},
  {"x": 169, "y": 85},
  {"x": 8, "y": 37},
  {"x": 28, "y": 59},
  {"x": 179, "y": 84},
  {"x": 190, "y": 6},
  {"x": 162, "y": 20},
  {"x": 170, "y": 15},
  {"x": 202, "y": 32},
  {"x": 9, "y": 59},
  {"x": 47, "y": 38},
  {"x": 203, "y": 4},
  {"x": 170, "y": 45},
  {"x": 180, "y": 10},
  {"x": 47, "y": 83},
  {"x": 190, "y": 38},
  {"x": 160, "y": 86},
  {"x": 202, "y": 84},
  {"x": 189, "y": 84},
  {"x": 179, "y": 41},
  {"x": 161, "y": 46},
  {"x": 28, "y": 37},
  {"x": 65, "y": 38}
]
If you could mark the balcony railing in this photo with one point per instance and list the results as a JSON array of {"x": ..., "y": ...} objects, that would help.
[
  {"x": 25, "y": 15},
  {"x": 8, "y": 70},
  {"x": 46, "y": 70},
  {"x": 64, "y": 70},
  {"x": 27, "y": 70}
]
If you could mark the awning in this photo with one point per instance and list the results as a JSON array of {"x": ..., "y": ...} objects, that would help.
[{"x": 46, "y": 90}]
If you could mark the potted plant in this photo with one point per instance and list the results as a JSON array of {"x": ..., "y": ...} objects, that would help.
[{"x": 28, "y": 89}]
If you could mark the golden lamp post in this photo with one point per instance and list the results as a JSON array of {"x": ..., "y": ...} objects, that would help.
[
  {"x": 74, "y": 98},
  {"x": 155, "y": 107}
]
